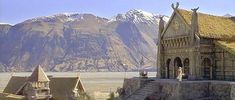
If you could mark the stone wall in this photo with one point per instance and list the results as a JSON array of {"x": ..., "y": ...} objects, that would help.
[
  {"x": 224, "y": 64},
  {"x": 169, "y": 89},
  {"x": 133, "y": 84}
]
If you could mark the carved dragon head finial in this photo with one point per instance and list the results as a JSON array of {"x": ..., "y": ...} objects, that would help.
[
  {"x": 195, "y": 9},
  {"x": 172, "y": 6},
  {"x": 175, "y": 7}
]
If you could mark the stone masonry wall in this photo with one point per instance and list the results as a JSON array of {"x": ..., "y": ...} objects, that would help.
[
  {"x": 169, "y": 89},
  {"x": 133, "y": 84}
]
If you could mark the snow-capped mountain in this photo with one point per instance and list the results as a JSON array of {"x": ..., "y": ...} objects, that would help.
[
  {"x": 80, "y": 42},
  {"x": 64, "y": 17},
  {"x": 138, "y": 16},
  {"x": 5, "y": 24}
]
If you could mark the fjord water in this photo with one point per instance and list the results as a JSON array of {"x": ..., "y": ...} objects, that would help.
[{"x": 94, "y": 82}]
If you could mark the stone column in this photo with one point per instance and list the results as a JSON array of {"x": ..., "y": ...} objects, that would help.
[
  {"x": 192, "y": 64},
  {"x": 197, "y": 62}
]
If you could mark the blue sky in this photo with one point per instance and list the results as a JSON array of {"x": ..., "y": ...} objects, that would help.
[{"x": 15, "y": 11}]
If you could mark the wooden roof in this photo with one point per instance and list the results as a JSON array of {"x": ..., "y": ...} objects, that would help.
[
  {"x": 62, "y": 87},
  {"x": 211, "y": 26},
  {"x": 14, "y": 84},
  {"x": 38, "y": 75}
]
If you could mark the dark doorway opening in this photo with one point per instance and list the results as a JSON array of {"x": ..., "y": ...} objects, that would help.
[
  {"x": 168, "y": 68},
  {"x": 177, "y": 64}
]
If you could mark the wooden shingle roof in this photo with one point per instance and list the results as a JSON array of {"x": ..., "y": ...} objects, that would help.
[
  {"x": 62, "y": 87},
  {"x": 14, "y": 84},
  {"x": 210, "y": 26}
]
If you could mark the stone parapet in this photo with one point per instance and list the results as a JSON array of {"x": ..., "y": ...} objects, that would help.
[
  {"x": 133, "y": 84},
  {"x": 170, "y": 89}
]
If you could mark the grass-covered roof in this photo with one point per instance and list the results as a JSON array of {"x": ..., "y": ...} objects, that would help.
[
  {"x": 211, "y": 26},
  {"x": 227, "y": 45}
]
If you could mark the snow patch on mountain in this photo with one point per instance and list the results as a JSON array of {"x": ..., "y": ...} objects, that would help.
[
  {"x": 138, "y": 16},
  {"x": 64, "y": 17},
  {"x": 5, "y": 23}
]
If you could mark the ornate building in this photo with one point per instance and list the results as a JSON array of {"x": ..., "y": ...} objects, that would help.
[
  {"x": 39, "y": 86},
  {"x": 202, "y": 44}
]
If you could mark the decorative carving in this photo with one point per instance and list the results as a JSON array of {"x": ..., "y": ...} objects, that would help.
[
  {"x": 175, "y": 7},
  {"x": 176, "y": 26},
  {"x": 177, "y": 4},
  {"x": 195, "y": 9},
  {"x": 161, "y": 24},
  {"x": 172, "y": 5}
]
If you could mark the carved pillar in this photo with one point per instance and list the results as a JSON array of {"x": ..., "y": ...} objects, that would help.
[
  {"x": 160, "y": 58},
  {"x": 194, "y": 25},
  {"x": 194, "y": 44}
]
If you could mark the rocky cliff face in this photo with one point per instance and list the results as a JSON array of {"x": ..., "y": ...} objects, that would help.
[
  {"x": 4, "y": 28},
  {"x": 80, "y": 42}
]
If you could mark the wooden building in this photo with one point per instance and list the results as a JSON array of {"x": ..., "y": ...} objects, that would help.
[
  {"x": 202, "y": 44},
  {"x": 39, "y": 86}
]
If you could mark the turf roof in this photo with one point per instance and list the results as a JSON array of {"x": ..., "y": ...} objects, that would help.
[
  {"x": 227, "y": 45},
  {"x": 210, "y": 26}
]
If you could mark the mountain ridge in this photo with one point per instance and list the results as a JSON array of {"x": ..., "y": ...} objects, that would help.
[{"x": 81, "y": 42}]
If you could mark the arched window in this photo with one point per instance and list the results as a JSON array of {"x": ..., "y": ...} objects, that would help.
[
  {"x": 186, "y": 67},
  {"x": 207, "y": 68}
]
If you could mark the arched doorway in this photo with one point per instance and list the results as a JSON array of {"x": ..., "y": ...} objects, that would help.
[
  {"x": 177, "y": 64},
  {"x": 207, "y": 68},
  {"x": 186, "y": 68},
  {"x": 168, "y": 68}
]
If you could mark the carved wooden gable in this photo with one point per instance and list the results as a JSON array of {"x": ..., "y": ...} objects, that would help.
[{"x": 176, "y": 28}]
